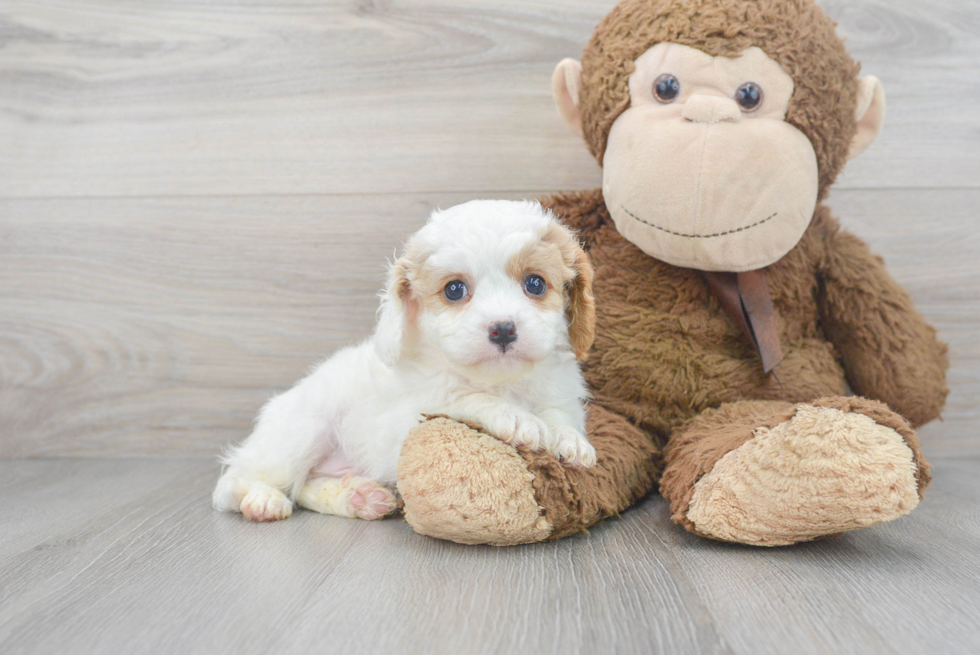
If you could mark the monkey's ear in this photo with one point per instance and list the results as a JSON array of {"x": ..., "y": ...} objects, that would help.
[
  {"x": 870, "y": 114},
  {"x": 565, "y": 85}
]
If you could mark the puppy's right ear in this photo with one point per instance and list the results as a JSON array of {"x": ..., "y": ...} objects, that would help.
[{"x": 393, "y": 315}]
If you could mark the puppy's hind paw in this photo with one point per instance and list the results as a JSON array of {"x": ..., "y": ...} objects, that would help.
[
  {"x": 572, "y": 448},
  {"x": 350, "y": 496},
  {"x": 370, "y": 500},
  {"x": 265, "y": 503}
]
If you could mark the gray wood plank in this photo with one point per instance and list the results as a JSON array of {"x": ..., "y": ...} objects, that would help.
[
  {"x": 108, "y": 310},
  {"x": 285, "y": 97},
  {"x": 159, "y": 326},
  {"x": 903, "y": 587},
  {"x": 162, "y": 572},
  {"x": 45, "y": 498}
]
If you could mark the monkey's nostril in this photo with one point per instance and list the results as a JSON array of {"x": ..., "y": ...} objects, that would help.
[{"x": 701, "y": 108}]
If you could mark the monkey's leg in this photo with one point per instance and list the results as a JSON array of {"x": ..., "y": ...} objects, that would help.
[
  {"x": 773, "y": 474},
  {"x": 465, "y": 486}
]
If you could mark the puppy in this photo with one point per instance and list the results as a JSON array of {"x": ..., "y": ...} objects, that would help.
[{"x": 483, "y": 320}]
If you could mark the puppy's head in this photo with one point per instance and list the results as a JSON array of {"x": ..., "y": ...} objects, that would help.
[{"x": 493, "y": 284}]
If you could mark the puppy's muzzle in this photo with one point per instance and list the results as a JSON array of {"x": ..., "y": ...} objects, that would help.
[{"x": 503, "y": 334}]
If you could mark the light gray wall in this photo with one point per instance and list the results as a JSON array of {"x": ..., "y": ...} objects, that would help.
[{"x": 197, "y": 200}]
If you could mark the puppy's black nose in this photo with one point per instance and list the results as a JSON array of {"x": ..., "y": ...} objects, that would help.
[{"x": 503, "y": 334}]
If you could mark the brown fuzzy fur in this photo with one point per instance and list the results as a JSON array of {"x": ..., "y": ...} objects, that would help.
[
  {"x": 574, "y": 499},
  {"x": 714, "y": 433},
  {"x": 795, "y": 33},
  {"x": 710, "y": 436},
  {"x": 667, "y": 354},
  {"x": 670, "y": 371},
  {"x": 666, "y": 350}
]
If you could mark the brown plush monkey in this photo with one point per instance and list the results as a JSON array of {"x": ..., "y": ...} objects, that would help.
[{"x": 731, "y": 309}]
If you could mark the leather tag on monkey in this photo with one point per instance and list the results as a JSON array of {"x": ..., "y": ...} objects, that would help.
[{"x": 746, "y": 297}]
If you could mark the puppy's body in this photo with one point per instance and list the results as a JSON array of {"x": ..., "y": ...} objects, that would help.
[{"x": 332, "y": 442}]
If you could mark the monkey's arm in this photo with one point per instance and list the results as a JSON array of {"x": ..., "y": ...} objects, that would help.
[{"x": 890, "y": 352}]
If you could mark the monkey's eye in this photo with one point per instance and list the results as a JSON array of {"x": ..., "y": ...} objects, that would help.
[
  {"x": 535, "y": 285},
  {"x": 454, "y": 291},
  {"x": 749, "y": 96},
  {"x": 666, "y": 88}
]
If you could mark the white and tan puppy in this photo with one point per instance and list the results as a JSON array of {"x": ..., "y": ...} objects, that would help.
[{"x": 483, "y": 319}]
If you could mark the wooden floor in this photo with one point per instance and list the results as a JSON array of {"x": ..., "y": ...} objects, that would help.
[
  {"x": 108, "y": 556},
  {"x": 197, "y": 200}
]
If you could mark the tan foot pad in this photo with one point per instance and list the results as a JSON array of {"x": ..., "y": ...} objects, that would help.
[
  {"x": 822, "y": 472},
  {"x": 464, "y": 486}
]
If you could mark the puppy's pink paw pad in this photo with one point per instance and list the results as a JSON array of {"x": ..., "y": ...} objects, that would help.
[{"x": 371, "y": 501}]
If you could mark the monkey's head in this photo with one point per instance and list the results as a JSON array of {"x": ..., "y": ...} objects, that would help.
[{"x": 719, "y": 124}]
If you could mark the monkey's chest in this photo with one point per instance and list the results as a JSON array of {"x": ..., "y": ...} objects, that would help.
[{"x": 666, "y": 348}]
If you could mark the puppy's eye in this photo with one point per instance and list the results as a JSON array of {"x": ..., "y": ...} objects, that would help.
[
  {"x": 749, "y": 96},
  {"x": 454, "y": 291},
  {"x": 535, "y": 285},
  {"x": 666, "y": 88}
]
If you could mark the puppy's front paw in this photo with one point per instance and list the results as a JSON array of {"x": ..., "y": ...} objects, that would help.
[
  {"x": 265, "y": 503},
  {"x": 571, "y": 446},
  {"x": 518, "y": 428}
]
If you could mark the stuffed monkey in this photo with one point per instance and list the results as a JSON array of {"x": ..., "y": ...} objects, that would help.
[{"x": 732, "y": 311}]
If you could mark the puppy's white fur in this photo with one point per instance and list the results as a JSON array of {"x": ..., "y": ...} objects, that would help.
[{"x": 332, "y": 442}]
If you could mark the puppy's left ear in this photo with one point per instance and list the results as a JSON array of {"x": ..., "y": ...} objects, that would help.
[
  {"x": 581, "y": 329},
  {"x": 394, "y": 313},
  {"x": 580, "y": 302}
]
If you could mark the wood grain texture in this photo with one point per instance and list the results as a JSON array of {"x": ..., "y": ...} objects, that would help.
[
  {"x": 196, "y": 204},
  {"x": 160, "y": 326},
  {"x": 146, "y": 566},
  {"x": 155, "y": 326},
  {"x": 281, "y": 97}
]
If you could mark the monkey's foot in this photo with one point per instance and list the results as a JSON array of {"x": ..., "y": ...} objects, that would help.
[
  {"x": 466, "y": 486},
  {"x": 827, "y": 468},
  {"x": 463, "y": 485}
]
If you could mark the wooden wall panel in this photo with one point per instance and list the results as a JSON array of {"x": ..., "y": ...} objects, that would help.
[
  {"x": 233, "y": 97},
  {"x": 197, "y": 200},
  {"x": 138, "y": 326}
]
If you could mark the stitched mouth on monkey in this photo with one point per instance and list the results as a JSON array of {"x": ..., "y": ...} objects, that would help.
[
  {"x": 703, "y": 236},
  {"x": 699, "y": 176}
]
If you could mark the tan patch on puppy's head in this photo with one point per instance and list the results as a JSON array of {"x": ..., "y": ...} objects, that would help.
[
  {"x": 557, "y": 257},
  {"x": 544, "y": 259},
  {"x": 428, "y": 288},
  {"x": 399, "y": 309},
  {"x": 403, "y": 280},
  {"x": 422, "y": 284}
]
